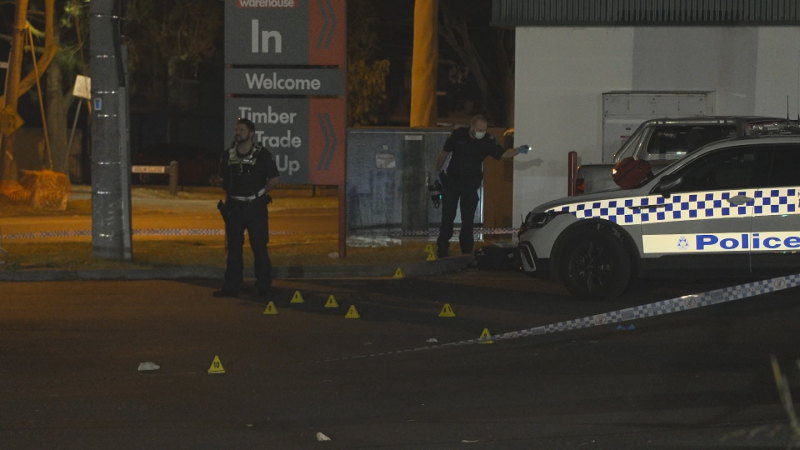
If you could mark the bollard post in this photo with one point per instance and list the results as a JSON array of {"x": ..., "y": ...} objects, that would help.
[
  {"x": 572, "y": 171},
  {"x": 173, "y": 177}
]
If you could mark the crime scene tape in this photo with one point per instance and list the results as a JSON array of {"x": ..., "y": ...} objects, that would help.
[
  {"x": 669, "y": 306},
  {"x": 136, "y": 232},
  {"x": 478, "y": 232},
  {"x": 435, "y": 232}
]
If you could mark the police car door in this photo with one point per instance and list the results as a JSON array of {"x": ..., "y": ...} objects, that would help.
[
  {"x": 705, "y": 221},
  {"x": 775, "y": 242}
]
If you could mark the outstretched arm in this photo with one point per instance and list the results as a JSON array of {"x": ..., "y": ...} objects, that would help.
[{"x": 512, "y": 152}]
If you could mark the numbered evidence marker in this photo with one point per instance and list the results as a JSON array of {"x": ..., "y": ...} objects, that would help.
[
  {"x": 486, "y": 337},
  {"x": 297, "y": 297},
  {"x": 430, "y": 252},
  {"x": 431, "y": 256},
  {"x": 331, "y": 303},
  {"x": 352, "y": 313},
  {"x": 398, "y": 273},
  {"x": 271, "y": 309},
  {"x": 216, "y": 366},
  {"x": 447, "y": 311}
]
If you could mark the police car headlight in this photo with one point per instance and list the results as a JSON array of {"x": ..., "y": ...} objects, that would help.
[{"x": 538, "y": 220}]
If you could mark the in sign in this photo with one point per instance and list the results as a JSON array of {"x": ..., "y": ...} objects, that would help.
[{"x": 261, "y": 39}]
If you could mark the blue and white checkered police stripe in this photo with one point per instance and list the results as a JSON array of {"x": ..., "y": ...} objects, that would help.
[
  {"x": 687, "y": 206},
  {"x": 669, "y": 306}
]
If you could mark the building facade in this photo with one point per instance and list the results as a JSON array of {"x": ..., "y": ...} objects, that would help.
[{"x": 745, "y": 55}]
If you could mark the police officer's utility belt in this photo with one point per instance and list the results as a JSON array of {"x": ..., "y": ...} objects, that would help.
[{"x": 248, "y": 198}]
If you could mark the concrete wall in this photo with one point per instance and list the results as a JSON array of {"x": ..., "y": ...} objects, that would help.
[
  {"x": 698, "y": 59},
  {"x": 561, "y": 74}
]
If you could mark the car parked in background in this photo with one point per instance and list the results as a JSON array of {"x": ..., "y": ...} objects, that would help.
[
  {"x": 662, "y": 141},
  {"x": 730, "y": 207}
]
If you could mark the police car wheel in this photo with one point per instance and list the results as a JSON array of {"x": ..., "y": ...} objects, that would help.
[{"x": 595, "y": 266}]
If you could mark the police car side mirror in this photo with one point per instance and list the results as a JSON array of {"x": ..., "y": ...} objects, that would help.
[{"x": 668, "y": 184}]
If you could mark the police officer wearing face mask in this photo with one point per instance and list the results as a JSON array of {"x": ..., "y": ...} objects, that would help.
[
  {"x": 460, "y": 167},
  {"x": 248, "y": 173}
]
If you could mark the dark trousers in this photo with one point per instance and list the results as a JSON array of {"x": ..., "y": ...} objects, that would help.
[
  {"x": 253, "y": 217},
  {"x": 456, "y": 194}
]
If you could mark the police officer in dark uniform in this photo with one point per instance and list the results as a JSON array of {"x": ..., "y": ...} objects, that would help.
[
  {"x": 460, "y": 168},
  {"x": 248, "y": 173}
]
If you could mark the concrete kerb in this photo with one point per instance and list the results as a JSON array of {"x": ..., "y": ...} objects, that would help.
[{"x": 437, "y": 267}]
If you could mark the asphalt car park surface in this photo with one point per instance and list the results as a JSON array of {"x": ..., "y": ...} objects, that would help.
[{"x": 696, "y": 379}]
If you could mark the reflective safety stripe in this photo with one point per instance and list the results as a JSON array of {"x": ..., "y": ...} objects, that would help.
[
  {"x": 249, "y": 159},
  {"x": 249, "y": 198}
]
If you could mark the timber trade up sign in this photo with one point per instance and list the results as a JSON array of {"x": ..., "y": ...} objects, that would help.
[{"x": 285, "y": 71}]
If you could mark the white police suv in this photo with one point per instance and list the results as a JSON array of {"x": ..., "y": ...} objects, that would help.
[{"x": 732, "y": 206}]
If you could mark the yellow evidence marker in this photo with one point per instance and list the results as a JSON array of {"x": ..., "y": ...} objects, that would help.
[
  {"x": 398, "y": 273},
  {"x": 271, "y": 310},
  {"x": 486, "y": 337},
  {"x": 297, "y": 298},
  {"x": 331, "y": 303},
  {"x": 447, "y": 311},
  {"x": 216, "y": 366},
  {"x": 430, "y": 252},
  {"x": 352, "y": 313}
]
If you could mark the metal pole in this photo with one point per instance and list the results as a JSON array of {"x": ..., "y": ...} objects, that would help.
[
  {"x": 424, "y": 63},
  {"x": 342, "y": 221},
  {"x": 572, "y": 171},
  {"x": 111, "y": 220}
]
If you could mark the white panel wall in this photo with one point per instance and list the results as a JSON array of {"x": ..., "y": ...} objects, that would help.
[
  {"x": 720, "y": 59},
  {"x": 561, "y": 74},
  {"x": 778, "y": 71}
]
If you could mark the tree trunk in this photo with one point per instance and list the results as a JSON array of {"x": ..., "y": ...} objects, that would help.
[
  {"x": 58, "y": 105},
  {"x": 8, "y": 171},
  {"x": 16, "y": 85}
]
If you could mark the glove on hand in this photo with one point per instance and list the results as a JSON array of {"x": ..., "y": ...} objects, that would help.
[{"x": 524, "y": 149}]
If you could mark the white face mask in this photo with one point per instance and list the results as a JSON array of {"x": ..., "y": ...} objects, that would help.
[{"x": 480, "y": 134}]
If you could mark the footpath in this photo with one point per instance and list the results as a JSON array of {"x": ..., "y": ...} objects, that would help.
[{"x": 41, "y": 246}]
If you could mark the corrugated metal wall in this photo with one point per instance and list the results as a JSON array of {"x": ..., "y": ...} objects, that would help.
[{"x": 511, "y": 13}]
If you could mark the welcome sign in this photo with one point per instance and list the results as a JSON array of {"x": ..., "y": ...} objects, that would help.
[{"x": 286, "y": 72}]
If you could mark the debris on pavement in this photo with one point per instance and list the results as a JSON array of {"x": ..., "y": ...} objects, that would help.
[
  {"x": 147, "y": 366},
  {"x": 321, "y": 437}
]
